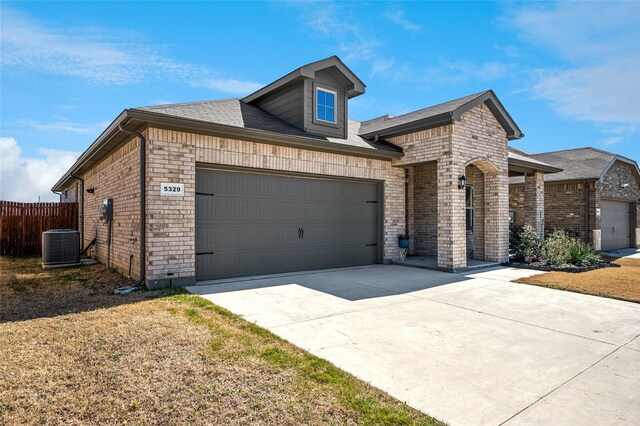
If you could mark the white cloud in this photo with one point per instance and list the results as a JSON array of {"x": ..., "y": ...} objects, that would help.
[
  {"x": 597, "y": 78},
  {"x": 27, "y": 178},
  {"x": 106, "y": 56},
  {"x": 229, "y": 85},
  {"x": 64, "y": 126},
  {"x": 398, "y": 17},
  {"x": 606, "y": 93},
  {"x": 454, "y": 73}
]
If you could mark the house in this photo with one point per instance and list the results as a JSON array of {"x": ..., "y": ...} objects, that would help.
[
  {"x": 596, "y": 197},
  {"x": 282, "y": 180}
]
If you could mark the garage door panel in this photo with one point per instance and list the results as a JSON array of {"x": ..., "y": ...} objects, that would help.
[
  {"x": 252, "y": 223},
  {"x": 615, "y": 224}
]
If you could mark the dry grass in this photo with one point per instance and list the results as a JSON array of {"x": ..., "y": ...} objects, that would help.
[
  {"x": 72, "y": 353},
  {"x": 616, "y": 283}
]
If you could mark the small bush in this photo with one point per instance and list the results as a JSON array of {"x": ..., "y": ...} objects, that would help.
[
  {"x": 561, "y": 250},
  {"x": 525, "y": 244}
]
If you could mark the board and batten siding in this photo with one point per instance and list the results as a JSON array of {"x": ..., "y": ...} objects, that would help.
[
  {"x": 286, "y": 104},
  {"x": 325, "y": 79}
]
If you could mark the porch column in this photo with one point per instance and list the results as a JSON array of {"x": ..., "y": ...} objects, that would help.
[
  {"x": 451, "y": 216},
  {"x": 534, "y": 201},
  {"x": 496, "y": 231}
]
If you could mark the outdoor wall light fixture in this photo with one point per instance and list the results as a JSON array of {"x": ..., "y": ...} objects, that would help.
[
  {"x": 91, "y": 190},
  {"x": 462, "y": 182}
]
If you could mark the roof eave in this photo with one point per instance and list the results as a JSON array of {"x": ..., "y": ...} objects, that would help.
[
  {"x": 414, "y": 126},
  {"x": 263, "y": 136},
  {"x": 180, "y": 123},
  {"x": 88, "y": 154},
  {"x": 533, "y": 166}
]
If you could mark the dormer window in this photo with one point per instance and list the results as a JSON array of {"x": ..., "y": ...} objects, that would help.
[{"x": 326, "y": 105}]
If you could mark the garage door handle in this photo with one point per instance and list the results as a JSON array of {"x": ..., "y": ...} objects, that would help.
[
  {"x": 613, "y": 229},
  {"x": 202, "y": 253},
  {"x": 302, "y": 233}
]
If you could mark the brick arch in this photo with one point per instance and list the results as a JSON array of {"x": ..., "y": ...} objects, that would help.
[{"x": 484, "y": 164}]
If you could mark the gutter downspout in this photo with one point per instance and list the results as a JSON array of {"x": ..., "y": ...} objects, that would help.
[
  {"x": 81, "y": 219},
  {"x": 143, "y": 206},
  {"x": 59, "y": 194}
]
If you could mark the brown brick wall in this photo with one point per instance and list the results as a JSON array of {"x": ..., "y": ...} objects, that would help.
[{"x": 565, "y": 201}]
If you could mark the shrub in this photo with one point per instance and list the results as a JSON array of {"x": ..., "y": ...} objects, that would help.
[
  {"x": 525, "y": 244},
  {"x": 561, "y": 250}
]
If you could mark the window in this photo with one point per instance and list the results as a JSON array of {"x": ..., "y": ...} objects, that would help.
[
  {"x": 326, "y": 105},
  {"x": 469, "y": 207}
]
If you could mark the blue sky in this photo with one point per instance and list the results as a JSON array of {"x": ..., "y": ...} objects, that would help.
[{"x": 568, "y": 72}]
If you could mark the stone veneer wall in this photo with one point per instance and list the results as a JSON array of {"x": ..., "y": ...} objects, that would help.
[
  {"x": 173, "y": 156},
  {"x": 611, "y": 187}
]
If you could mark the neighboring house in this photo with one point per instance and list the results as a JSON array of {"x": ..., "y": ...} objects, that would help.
[
  {"x": 282, "y": 180},
  {"x": 596, "y": 197}
]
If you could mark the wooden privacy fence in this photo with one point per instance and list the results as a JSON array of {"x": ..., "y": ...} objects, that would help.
[{"x": 22, "y": 225}]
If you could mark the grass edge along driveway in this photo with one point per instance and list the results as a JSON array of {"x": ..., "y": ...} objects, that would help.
[{"x": 160, "y": 357}]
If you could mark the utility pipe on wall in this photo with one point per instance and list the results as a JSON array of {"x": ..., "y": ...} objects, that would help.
[
  {"x": 81, "y": 206},
  {"x": 143, "y": 207}
]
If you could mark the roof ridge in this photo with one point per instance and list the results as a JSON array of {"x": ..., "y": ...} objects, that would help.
[
  {"x": 473, "y": 96},
  {"x": 579, "y": 149}
]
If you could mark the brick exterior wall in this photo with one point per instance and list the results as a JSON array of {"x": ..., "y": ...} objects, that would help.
[
  {"x": 565, "y": 206},
  {"x": 425, "y": 210},
  {"x": 534, "y": 201},
  {"x": 173, "y": 156},
  {"x": 116, "y": 176},
  {"x": 475, "y": 238},
  {"x": 476, "y": 139}
]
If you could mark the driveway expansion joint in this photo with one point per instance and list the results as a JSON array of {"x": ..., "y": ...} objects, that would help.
[{"x": 568, "y": 380}]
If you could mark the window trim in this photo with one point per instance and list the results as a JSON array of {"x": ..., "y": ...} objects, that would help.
[{"x": 335, "y": 105}]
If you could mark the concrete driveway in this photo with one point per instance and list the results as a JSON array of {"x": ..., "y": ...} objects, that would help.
[{"x": 468, "y": 349}]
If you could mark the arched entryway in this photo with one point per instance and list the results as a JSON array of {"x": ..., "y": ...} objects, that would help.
[{"x": 476, "y": 171}]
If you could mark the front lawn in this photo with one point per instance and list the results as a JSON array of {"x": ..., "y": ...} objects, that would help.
[
  {"x": 617, "y": 283},
  {"x": 72, "y": 353}
]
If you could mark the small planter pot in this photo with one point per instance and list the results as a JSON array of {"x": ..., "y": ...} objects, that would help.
[{"x": 403, "y": 243}]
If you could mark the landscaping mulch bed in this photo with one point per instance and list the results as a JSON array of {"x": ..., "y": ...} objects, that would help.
[
  {"x": 572, "y": 269},
  {"x": 71, "y": 353}
]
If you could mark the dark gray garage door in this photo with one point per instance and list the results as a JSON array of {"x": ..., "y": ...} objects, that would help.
[
  {"x": 615, "y": 224},
  {"x": 250, "y": 223}
]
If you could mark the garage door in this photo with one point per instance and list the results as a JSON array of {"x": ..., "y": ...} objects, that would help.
[
  {"x": 615, "y": 225},
  {"x": 250, "y": 223}
]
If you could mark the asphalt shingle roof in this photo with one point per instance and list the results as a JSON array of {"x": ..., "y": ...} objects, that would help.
[
  {"x": 577, "y": 164},
  {"x": 386, "y": 122},
  {"x": 235, "y": 113}
]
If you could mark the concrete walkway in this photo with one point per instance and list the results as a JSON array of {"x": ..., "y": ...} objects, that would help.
[{"x": 468, "y": 349}]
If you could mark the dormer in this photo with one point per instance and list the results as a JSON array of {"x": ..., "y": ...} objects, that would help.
[{"x": 313, "y": 98}]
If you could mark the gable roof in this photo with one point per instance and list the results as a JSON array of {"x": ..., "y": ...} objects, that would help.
[
  {"x": 577, "y": 164},
  {"x": 229, "y": 118},
  {"x": 308, "y": 71},
  {"x": 237, "y": 114},
  {"x": 520, "y": 162},
  {"x": 440, "y": 114}
]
